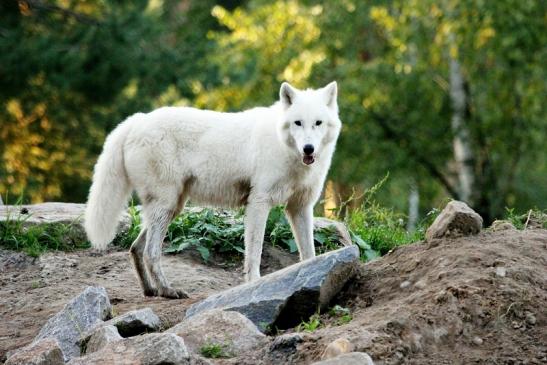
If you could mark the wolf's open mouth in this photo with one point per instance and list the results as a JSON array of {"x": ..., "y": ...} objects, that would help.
[{"x": 308, "y": 160}]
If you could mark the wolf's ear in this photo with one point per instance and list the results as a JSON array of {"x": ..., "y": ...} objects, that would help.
[
  {"x": 287, "y": 93},
  {"x": 331, "y": 94}
]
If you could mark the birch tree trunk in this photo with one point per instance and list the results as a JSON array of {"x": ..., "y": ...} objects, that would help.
[
  {"x": 413, "y": 207},
  {"x": 329, "y": 207},
  {"x": 463, "y": 152}
]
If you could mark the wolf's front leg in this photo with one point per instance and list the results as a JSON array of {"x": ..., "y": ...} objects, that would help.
[
  {"x": 301, "y": 221},
  {"x": 256, "y": 215}
]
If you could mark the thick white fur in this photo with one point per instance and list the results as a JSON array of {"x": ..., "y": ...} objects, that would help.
[{"x": 252, "y": 158}]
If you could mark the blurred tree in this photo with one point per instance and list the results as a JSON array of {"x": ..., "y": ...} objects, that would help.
[
  {"x": 421, "y": 83},
  {"x": 71, "y": 70},
  {"x": 448, "y": 96}
]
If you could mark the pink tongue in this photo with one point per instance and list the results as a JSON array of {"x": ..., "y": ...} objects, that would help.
[{"x": 308, "y": 160}]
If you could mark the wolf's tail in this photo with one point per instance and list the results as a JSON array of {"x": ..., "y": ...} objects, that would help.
[{"x": 109, "y": 191}]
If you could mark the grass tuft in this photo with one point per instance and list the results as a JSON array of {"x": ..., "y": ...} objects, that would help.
[
  {"x": 34, "y": 240},
  {"x": 215, "y": 350}
]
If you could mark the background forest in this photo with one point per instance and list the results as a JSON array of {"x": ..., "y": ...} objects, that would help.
[{"x": 448, "y": 97}]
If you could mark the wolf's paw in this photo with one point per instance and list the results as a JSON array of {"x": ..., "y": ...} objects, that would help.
[
  {"x": 172, "y": 293},
  {"x": 151, "y": 292}
]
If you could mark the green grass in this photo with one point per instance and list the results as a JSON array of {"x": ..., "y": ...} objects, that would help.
[
  {"x": 523, "y": 220},
  {"x": 377, "y": 229},
  {"x": 215, "y": 350},
  {"x": 37, "y": 239},
  {"x": 374, "y": 229},
  {"x": 126, "y": 238}
]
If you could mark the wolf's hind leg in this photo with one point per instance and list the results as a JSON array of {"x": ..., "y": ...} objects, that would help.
[
  {"x": 137, "y": 255},
  {"x": 301, "y": 221},
  {"x": 256, "y": 215},
  {"x": 158, "y": 219}
]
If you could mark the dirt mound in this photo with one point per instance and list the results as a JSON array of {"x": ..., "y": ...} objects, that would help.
[
  {"x": 478, "y": 299},
  {"x": 472, "y": 300}
]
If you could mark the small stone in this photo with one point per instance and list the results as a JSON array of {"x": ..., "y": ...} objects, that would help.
[
  {"x": 351, "y": 358},
  {"x": 101, "y": 337},
  {"x": 405, "y": 284},
  {"x": 228, "y": 328},
  {"x": 457, "y": 218},
  {"x": 286, "y": 341},
  {"x": 340, "y": 228},
  {"x": 421, "y": 284},
  {"x": 283, "y": 348},
  {"x": 43, "y": 352},
  {"x": 501, "y": 271},
  {"x": 477, "y": 340},
  {"x": 530, "y": 318},
  {"x": 136, "y": 322},
  {"x": 502, "y": 225},
  {"x": 337, "y": 347}
]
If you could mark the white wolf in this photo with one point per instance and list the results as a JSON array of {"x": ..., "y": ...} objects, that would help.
[{"x": 258, "y": 158}]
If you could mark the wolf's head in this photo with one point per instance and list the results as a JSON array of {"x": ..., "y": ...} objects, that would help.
[{"x": 309, "y": 121}]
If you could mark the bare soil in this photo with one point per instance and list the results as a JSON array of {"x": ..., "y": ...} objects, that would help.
[{"x": 468, "y": 300}]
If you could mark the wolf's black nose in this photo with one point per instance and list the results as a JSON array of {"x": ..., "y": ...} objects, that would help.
[{"x": 308, "y": 149}]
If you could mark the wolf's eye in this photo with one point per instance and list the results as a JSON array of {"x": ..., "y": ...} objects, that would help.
[
  {"x": 319, "y": 122},
  {"x": 298, "y": 123}
]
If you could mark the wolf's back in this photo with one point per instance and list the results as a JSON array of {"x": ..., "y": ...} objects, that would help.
[{"x": 109, "y": 191}]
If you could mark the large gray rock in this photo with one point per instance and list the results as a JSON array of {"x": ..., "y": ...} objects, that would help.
[
  {"x": 136, "y": 322},
  {"x": 150, "y": 349},
  {"x": 286, "y": 297},
  {"x": 101, "y": 337},
  {"x": 352, "y": 358},
  {"x": 338, "y": 227},
  {"x": 456, "y": 219},
  {"x": 43, "y": 352},
  {"x": 83, "y": 312},
  {"x": 230, "y": 329}
]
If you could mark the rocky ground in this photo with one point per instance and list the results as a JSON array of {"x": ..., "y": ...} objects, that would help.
[{"x": 471, "y": 300}]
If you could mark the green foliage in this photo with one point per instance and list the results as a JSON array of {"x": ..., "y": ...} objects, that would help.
[
  {"x": 533, "y": 217},
  {"x": 377, "y": 229},
  {"x": 215, "y": 350},
  {"x": 126, "y": 238},
  {"x": 342, "y": 314},
  {"x": 514, "y": 218},
  {"x": 311, "y": 325},
  {"x": 206, "y": 231},
  {"x": 209, "y": 231},
  {"x": 37, "y": 239},
  {"x": 279, "y": 231}
]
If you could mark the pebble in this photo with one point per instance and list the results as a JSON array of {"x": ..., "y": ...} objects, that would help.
[
  {"x": 530, "y": 318},
  {"x": 337, "y": 347},
  {"x": 477, "y": 340},
  {"x": 501, "y": 271},
  {"x": 405, "y": 284}
]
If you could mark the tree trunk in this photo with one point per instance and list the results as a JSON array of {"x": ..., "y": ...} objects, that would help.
[
  {"x": 413, "y": 207},
  {"x": 463, "y": 152},
  {"x": 330, "y": 203}
]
